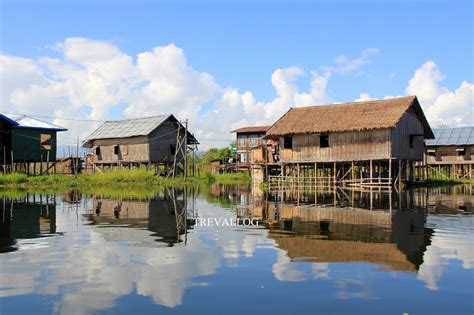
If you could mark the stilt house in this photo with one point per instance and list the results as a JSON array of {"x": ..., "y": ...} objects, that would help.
[
  {"x": 372, "y": 142},
  {"x": 33, "y": 140},
  {"x": 150, "y": 140},
  {"x": 451, "y": 153},
  {"x": 248, "y": 138}
]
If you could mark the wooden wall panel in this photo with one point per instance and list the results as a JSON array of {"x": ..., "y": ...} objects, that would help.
[
  {"x": 343, "y": 146},
  {"x": 408, "y": 125},
  {"x": 448, "y": 155}
]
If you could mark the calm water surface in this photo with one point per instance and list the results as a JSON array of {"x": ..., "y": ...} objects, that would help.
[{"x": 325, "y": 252}]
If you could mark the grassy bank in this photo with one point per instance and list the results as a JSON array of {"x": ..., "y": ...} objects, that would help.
[
  {"x": 449, "y": 181},
  {"x": 138, "y": 178},
  {"x": 232, "y": 178}
]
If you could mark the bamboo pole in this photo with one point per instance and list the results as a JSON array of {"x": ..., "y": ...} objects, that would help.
[
  {"x": 371, "y": 170},
  {"x": 390, "y": 170}
]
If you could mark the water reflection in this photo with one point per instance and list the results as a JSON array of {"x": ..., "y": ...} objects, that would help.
[
  {"x": 26, "y": 218},
  {"x": 340, "y": 244},
  {"x": 316, "y": 227},
  {"x": 167, "y": 214}
]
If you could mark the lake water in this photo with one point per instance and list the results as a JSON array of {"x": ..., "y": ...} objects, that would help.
[{"x": 325, "y": 251}]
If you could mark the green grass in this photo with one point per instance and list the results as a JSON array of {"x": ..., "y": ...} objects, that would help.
[
  {"x": 233, "y": 178},
  {"x": 450, "y": 181},
  {"x": 137, "y": 179}
]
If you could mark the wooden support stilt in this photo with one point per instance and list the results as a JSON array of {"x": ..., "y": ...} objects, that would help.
[
  {"x": 390, "y": 171},
  {"x": 352, "y": 171},
  {"x": 47, "y": 163},
  {"x": 371, "y": 172},
  {"x": 399, "y": 173}
]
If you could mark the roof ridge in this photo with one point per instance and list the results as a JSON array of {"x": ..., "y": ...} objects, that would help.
[
  {"x": 357, "y": 102},
  {"x": 137, "y": 118}
]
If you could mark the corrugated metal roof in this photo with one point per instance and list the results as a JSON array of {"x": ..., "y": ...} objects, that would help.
[
  {"x": 127, "y": 128},
  {"x": 30, "y": 122},
  {"x": 251, "y": 129},
  {"x": 452, "y": 136}
]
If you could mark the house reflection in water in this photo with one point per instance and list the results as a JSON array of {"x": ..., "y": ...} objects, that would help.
[
  {"x": 25, "y": 218},
  {"x": 165, "y": 215},
  {"x": 318, "y": 230}
]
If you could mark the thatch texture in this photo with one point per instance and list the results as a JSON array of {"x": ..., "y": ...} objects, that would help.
[
  {"x": 319, "y": 250},
  {"x": 354, "y": 116}
]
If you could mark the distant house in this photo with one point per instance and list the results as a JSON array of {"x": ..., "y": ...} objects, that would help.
[
  {"x": 246, "y": 139},
  {"x": 33, "y": 140},
  {"x": 149, "y": 140},
  {"x": 362, "y": 142},
  {"x": 451, "y": 152}
]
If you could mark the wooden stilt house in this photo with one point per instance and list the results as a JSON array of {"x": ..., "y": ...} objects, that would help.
[
  {"x": 358, "y": 143},
  {"x": 28, "y": 141},
  {"x": 157, "y": 140},
  {"x": 451, "y": 153}
]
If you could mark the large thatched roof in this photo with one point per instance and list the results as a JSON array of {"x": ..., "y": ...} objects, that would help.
[{"x": 353, "y": 116}]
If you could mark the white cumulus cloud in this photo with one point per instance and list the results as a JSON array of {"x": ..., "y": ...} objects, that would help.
[{"x": 94, "y": 80}]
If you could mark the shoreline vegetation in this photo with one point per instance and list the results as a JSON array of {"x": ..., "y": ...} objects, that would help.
[
  {"x": 140, "y": 179},
  {"x": 119, "y": 179}
]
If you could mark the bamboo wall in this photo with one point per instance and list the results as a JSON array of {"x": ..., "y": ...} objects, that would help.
[
  {"x": 132, "y": 149},
  {"x": 343, "y": 146}
]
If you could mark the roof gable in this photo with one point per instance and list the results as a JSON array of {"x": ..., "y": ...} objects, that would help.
[{"x": 353, "y": 116}]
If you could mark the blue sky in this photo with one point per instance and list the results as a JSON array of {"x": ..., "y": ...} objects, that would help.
[{"x": 241, "y": 43}]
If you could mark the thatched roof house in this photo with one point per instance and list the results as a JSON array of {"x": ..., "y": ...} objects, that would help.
[
  {"x": 380, "y": 129},
  {"x": 352, "y": 116}
]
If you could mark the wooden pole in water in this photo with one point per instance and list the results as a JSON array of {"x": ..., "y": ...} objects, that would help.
[
  {"x": 185, "y": 149},
  {"x": 390, "y": 170},
  {"x": 77, "y": 155},
  {"x": 335, "y": 173},
  {"x": 370, "y": 172},
  {"x": 399, "y": 173},
  {"x": 315, "y": 174},
  {"x": 352, "y": 172}
]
